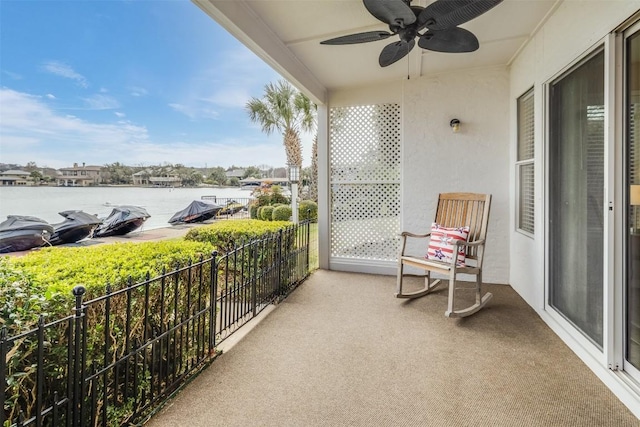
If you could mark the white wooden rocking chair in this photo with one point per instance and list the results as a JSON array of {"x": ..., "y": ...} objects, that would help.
[{"x": 455, "y": 210}]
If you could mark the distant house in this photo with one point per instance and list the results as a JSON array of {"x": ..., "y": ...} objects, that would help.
[
  {"x": 157, "y": 177},
  {"x": 16, "y": 177},
  {"x": 235, "y": 173},
  {"x": 79, "y": 176},
  {"x": 142, "y": 177},
  {"x": 165, "y": 181}
]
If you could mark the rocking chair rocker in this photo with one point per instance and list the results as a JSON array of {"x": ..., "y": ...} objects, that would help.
[{"x": 450, "y": 251}]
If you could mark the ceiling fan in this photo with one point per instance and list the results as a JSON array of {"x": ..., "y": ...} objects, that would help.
[{"x": 435, "y": 26}]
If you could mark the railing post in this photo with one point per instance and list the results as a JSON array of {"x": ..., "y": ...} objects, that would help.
[
  {"x": 279, "y": 261},
  {"x": 254, "y": 280},
  {"x": 3, "y": 371},
  {"x": 40, "y": 371},
  {"x": 308, "y": 248},
  {"x": 78, "y": 292},
  {"x": 213, "y": 300}
]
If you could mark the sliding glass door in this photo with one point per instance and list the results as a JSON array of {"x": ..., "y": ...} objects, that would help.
[
  {"x": 576, "y": 205},
  {"x": 632, "y": 137}
]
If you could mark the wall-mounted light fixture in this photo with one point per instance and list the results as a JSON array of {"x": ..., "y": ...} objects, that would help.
[{"x": 455, "y": 125}]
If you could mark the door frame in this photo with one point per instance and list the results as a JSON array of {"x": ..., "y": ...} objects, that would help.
[
  {"x": 621, "y": 126},
  {"x": 586, "y": 344}
]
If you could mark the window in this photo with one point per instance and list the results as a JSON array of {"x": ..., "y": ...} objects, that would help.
[{"x": 525, "y": 165}]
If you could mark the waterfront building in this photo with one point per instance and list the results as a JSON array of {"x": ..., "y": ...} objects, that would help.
[
  {"x": 16, "y": 177},
  {"x": 157, "y": 177},
  {"x": 79, "y": 176}
]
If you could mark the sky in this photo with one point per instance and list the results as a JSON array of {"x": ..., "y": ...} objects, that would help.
[{"x": 140, "y": 82}]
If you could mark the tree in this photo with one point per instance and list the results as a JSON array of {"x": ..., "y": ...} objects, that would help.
[
  {"x": 253, "y": 172},
  {"x": 117, "y": 173},
  {"x": 218, "y": 176},
  {"x": 31, "y": 167},
  {"x": 285, "y": 109},
  {"x": 37, "y": 176}
]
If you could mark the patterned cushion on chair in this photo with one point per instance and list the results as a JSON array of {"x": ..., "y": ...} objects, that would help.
[{"x": 442, "y": 243}]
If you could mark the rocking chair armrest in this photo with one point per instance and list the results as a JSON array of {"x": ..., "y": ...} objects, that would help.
[
  {"x": 408, "y": 234},
  {"x": 463, "y": 243}
]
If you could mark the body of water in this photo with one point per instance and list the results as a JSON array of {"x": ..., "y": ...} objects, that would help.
[{"x": 161, "y": 203}]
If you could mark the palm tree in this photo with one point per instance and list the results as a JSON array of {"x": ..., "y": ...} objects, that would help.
[{"x": 285, "y": 109}]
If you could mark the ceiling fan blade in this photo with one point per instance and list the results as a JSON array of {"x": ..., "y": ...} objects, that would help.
[
  {"x": 453, "y": 40},
  {"x": 395, "y": 51},
  {"x": 445, "y": 14},
  {"x": 369, "y": 36},
  {"x": 392, "y": 12}
]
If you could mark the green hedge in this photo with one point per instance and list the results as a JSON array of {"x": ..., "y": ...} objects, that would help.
[
  {"x": 22, "y": 300},
  {"x": 41, "y": 282},
  {"x": 225, "y": 234},
  {"x": 304, "y": 207},
  {"x": 266, "y": 213},
  {"x": 253, "y": 211},
  {"x": 59, "y": 269},
  {"x": 281, "y": 213}
]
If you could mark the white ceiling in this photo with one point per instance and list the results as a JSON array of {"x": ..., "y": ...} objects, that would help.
[{"x": 287, "y": 35}]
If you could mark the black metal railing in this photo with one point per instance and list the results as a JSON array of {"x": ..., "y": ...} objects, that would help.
[{"x": 119, "y": 356}]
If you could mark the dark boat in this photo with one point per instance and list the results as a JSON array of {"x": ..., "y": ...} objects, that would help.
[
  {"x": 20, "y": 233},
  {"x": 76, "y": 226},
  {"x": 197, "y": 211},
  {"x": 121, "y": 220}
]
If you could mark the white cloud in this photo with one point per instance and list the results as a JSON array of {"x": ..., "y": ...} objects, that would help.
[
  {"x": 63, "y": 70},
  {"x": 138, "y": 91},
  {"x": 119, "y": 114},
  {"x": 50, "y": 96},
  {"x": 101, "y": 102},
  {"x": 12, "y": 75},
  {"x": 30, "y": 129}
]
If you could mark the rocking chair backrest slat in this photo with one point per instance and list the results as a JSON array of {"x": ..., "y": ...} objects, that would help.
[{"x": 460, "y": 209}]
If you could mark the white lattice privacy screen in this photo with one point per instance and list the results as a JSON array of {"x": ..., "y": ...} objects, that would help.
[{"x": 365, "y": 181}]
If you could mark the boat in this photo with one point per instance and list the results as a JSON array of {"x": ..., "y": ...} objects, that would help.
[
  {"x": 232, "y": 207},
  {"x": 197, "y": 211},
  {"x": 21, "y": 233},
  {"x": 122, "y": 220},
  {"x": 76, "y": 226}
]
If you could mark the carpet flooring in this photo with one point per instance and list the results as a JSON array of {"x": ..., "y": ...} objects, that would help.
[{"x": 342, "y": 351}]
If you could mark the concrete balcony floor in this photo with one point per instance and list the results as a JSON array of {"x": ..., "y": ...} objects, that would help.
[{"x": 342, "y": 351}]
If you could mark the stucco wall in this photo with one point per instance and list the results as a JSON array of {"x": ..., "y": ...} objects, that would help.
[
  {"x": 574, "y": 29},
  {"x": 435, "y": 160},
  {"x": 476, "y": 159}
]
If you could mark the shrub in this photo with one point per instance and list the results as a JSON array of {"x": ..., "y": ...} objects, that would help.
[
  {"x": 41, "y": 282},
  {"x": 59, "y": 269},
  {"x": 225, "y": 235},
  {"x": 21, "y": 300},
  {"x": 281, "y": 213},
  {"x": 266, "y": 213},
  {"x": 303, "y": 210},
  {"x": 253, "y": 211}
]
